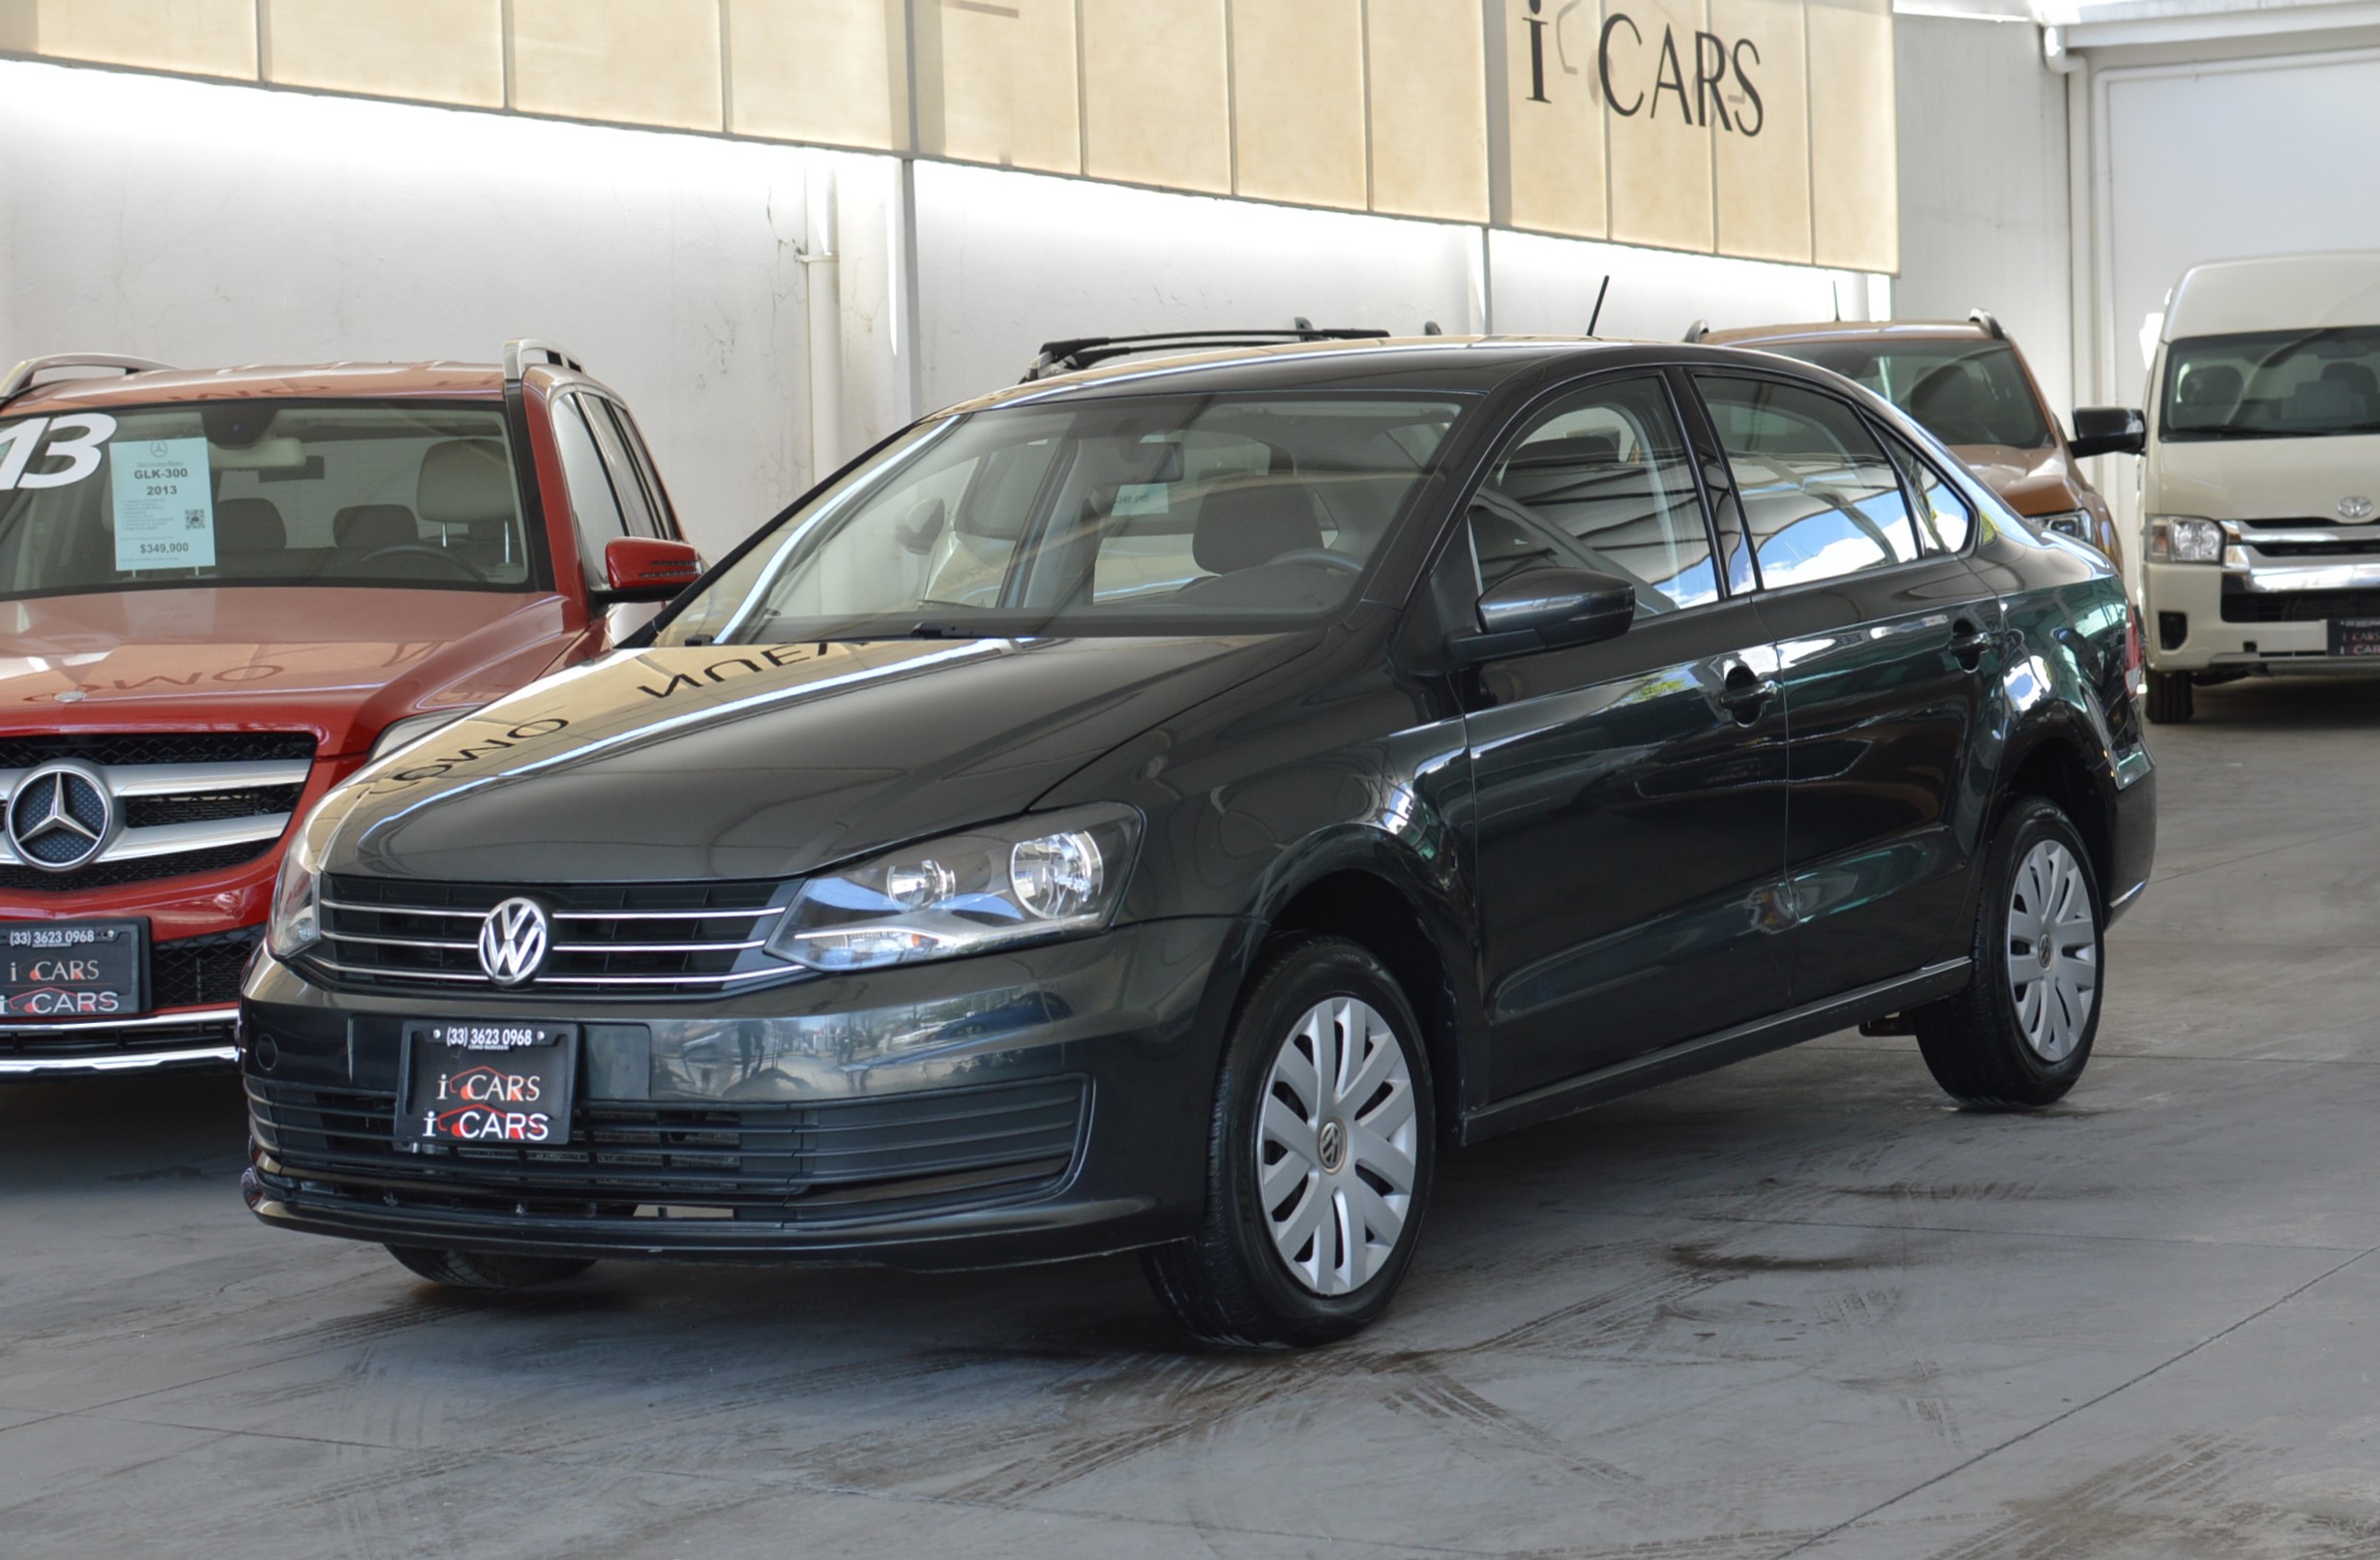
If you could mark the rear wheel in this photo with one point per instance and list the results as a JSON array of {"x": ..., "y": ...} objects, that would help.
[
  {"x": 2020, "y": 1035},
  {"x": 1320, "y": 1147},
  {"x": 481, "y": 1270},
  {"x": 2171, "y": 700}
]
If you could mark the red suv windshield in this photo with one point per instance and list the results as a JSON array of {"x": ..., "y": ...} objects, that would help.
[{"x": 256, "y": 492}]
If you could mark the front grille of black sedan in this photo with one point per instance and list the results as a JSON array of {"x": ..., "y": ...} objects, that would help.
[
  {"x": 2298, "y": 606},
  {"x": 778, "y": 1164},
  {"x": 611, "y": 939}
]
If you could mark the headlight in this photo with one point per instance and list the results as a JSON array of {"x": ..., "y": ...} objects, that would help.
[
  {"x": 2177, "y": 539},
  {"x": 413, "y": 728},
  {"x": 296, "y": 921},
  {"x": 1050, "y": 875}
]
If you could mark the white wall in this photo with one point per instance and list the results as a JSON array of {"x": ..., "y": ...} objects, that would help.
[
  {"x": 206, "y": 224},
  {"x": 1984, "y": 203}
]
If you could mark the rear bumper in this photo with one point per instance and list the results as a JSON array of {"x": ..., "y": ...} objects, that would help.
[{"x": 1045, "y": 1103}]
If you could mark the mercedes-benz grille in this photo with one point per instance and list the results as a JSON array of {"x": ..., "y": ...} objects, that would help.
[{"x": 174, "y": 804}]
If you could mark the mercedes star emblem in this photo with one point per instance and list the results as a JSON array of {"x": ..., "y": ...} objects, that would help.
[
  {"x": 60, "y": 817},
  {"x": 2355, "y": 507},
  {"x": 512, "y": 941}
]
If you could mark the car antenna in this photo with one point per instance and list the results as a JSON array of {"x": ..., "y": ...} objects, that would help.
[{"x": 1595, "y": 318}]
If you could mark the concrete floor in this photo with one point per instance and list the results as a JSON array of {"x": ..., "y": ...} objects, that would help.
[{"x": 1799, "y": 1308}]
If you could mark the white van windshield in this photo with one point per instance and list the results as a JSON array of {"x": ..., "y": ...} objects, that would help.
[{"x": 2273, "y": 384}]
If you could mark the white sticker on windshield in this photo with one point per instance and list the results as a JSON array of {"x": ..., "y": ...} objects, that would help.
[
  {"x": 1143, "y": 499},
  {"x": 165, "y": 504}
]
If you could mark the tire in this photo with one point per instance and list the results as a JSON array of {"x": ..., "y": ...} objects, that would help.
[
  {"x": 2020, "y": 1035},
  {"x": 479, "y": 1270},
  {"x": 2170, "y": 698},
  {"x": 1247, "y": 1279}
]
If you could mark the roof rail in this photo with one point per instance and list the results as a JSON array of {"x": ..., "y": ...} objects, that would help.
[
  {"x": 1087, "y": 351},
  {"x": 529, "y": 351},
  {"x": 1991, "y": 325},
  {"x": 21, "y": 378},
  {"x": 1698, "y": 330}
]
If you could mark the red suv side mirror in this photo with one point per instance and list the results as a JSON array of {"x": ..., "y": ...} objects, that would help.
[{"x": 642, "y": 568}]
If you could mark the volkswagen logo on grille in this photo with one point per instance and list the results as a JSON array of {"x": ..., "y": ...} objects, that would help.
[
  {"x": 2355, "y": 507},
  {"x": 60, "y": 817},
  {"x": 513, "y": 940}
]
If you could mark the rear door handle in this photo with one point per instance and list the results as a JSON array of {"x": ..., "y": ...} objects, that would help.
[
  {"x": 1968, "y": 642},
  {"x": 1744, "y": 692}
]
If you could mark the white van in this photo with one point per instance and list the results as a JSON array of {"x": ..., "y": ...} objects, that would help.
[{"x": 2261, "y": 488}]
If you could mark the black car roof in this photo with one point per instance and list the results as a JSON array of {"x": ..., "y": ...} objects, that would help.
[{"x": 1408, "y": 363}]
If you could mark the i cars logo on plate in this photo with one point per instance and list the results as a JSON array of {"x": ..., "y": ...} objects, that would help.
[
  {"x": 512, "y": 941},
  {"x": 59, "y": 817},
  {"x": 2355, "y": 507}
]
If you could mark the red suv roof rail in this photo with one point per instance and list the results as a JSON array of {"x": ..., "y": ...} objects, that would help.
[
  {"x": 21, "y": 378},
  {"x": 529, "y": 350}
]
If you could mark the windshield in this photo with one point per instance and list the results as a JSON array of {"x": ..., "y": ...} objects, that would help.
[
  {"x": 253, "y": 493},
  {"x": 1965, "y": 392},
  {"x": 2273, "y": 384},
  {"x": 1142, "y": 516}
]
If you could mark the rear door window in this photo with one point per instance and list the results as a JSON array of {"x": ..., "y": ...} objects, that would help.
[
  {"x": 1821, "y": 498},
  {"x": 1945, "y": 520}
]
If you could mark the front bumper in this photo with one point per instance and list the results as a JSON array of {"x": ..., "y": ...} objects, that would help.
[
  {"x": 193, "y": 1021},
  {"x": 1025, "y": 1106},
  {"x": 2201, "y": 618}
]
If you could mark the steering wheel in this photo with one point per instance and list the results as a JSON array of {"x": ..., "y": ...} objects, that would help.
[
  {"x": 1320, "y": 555},
  {"x": 460, "y": 567}
]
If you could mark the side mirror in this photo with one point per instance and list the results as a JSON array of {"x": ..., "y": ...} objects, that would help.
[
  {"x": 1539, "y": 609},
  {"x": 2108, "y": 430},
  {"x": 644, "y": 568}
]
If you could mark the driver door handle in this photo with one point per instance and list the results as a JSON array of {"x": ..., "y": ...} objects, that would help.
[{"x": 1743, "y": 693}]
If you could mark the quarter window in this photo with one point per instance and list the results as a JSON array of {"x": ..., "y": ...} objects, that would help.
[
  {"x": 594, "y": 510},
  {"x": 1601, "y": 481},
  {"x": 1821, "y": 499},
  {"x": 1945, "y": 520}
]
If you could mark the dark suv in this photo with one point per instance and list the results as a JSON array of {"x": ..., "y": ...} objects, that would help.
[{"x": 1160, "y": 807}]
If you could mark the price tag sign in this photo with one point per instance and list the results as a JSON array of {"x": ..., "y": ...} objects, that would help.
[{"x": 165, "y": 504}]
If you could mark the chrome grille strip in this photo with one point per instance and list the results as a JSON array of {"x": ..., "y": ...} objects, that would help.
[
  {"x": 753, "y": 914},
  {"x": 171, "y": 839},
  {"x": 549, "y": 981},
  {"x": 655, "y": 947}
]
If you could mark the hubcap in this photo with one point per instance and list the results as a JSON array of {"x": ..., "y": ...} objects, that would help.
[
  {"x": 1336, "y": 1145},
  {"x": 2053, "y": 950}
]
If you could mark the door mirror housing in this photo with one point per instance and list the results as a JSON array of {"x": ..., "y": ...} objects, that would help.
[
  {"x": 1542, "y": 608},
  {"x": 2108, "y": 430},
  {"x": 645, "y": 568}
]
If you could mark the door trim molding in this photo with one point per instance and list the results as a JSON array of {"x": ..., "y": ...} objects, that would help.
[{"x": 1686, "y": 1058}]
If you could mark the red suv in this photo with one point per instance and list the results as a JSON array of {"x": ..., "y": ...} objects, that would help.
[{"x": 221, "y": 592}]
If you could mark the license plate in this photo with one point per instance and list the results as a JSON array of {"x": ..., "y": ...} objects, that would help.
[
  {"x": 2355, "y": 635},
  {"x": 73, "y": 968},
  {"x": 486, "y": 1084}
]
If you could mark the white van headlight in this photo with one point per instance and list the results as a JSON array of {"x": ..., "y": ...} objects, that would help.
[{"x": 2180, "y": 539}]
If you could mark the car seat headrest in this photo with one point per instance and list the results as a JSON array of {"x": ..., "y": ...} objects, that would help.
[
  {"x": 1245, "y": 524},
  {"x": 464, "y": 481},
  {"x": 370, "y": 527},
  {"x": 248, "y": 526}
]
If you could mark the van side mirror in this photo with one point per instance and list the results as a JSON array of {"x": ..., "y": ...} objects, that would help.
[
  {"x": 1542, "y": 608},
  {"x": 2108, "y": 430},
  {"x": 646, "y": 568}
]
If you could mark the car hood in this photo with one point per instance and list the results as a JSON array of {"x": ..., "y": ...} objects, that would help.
[
  {"x": 765, "y": 762},
  {"x": 2032, "y": 482},
  {"x": 343, "y": 663},
  {"x": 2263, "y": 478}
]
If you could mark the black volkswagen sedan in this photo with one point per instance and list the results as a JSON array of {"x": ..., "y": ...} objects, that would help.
[{"x": 1166, "y": 806}]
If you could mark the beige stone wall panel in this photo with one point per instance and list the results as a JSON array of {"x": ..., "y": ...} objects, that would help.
[
  {"x": 1156, "y": 93},
  {"x": 1297, "y": 101},
  {"x": 639, "y": 62},
  {"x": 1761, "y": 155},
  {"x": 1553, "y": 148},
  {"x": 199, "y": 37},
  {"x": 1854, "y": 160},
  {"x": 436, "y": 50},
  {"x": 830, "y": 71},
  {"x": 1426, "y": 80},
  {"x": 1661, "y": 153},
  {"x": 999, "y": 83}
]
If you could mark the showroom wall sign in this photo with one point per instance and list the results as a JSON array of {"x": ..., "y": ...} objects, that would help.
[{"x": 1763, "y": 128}]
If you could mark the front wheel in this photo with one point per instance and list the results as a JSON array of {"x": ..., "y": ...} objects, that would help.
[
  {"x": 2020, "y": 1035},
  {"x": 1321, "y": 1148},
  {"x": 2172, "y": 698},
  {"x": 481, "y": 1270}
]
